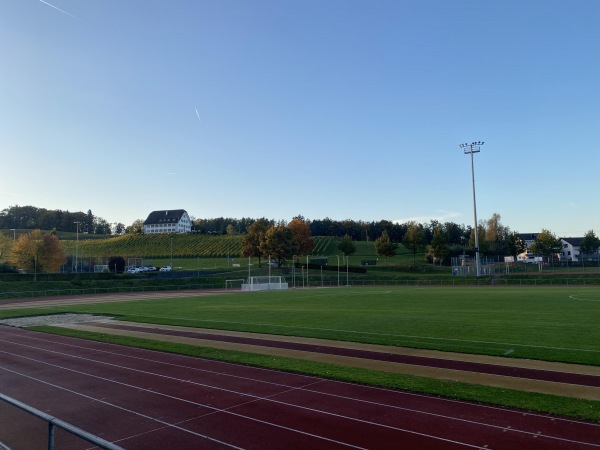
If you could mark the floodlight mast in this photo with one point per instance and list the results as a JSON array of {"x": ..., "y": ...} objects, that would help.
[{"x": 474, "y": 147}]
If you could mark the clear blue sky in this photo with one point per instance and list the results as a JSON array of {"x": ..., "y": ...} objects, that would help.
[{"x": 325, "y": 108}]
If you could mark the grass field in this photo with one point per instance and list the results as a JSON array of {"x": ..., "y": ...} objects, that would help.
[{"x": 553, "y": 324}]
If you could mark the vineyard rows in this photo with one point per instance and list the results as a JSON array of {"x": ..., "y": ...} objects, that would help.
[
  {"x": 158, "y": 245},
  {"x": 177, "y": 245}
]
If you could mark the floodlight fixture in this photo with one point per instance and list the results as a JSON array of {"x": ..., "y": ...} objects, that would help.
[{"x": 474, "y": 147}]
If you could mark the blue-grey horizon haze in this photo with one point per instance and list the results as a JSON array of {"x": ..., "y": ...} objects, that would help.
[{"x": 347, "y": 109}]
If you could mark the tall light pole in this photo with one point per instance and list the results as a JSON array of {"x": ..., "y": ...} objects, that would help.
[
  {"x": 76, "y": 246},
  {"x": 469, "y": 149}
]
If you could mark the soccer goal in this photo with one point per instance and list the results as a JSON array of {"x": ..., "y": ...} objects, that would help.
[
  {"x": 264, "y": 283},
  {"x": 232, "y": 284}
]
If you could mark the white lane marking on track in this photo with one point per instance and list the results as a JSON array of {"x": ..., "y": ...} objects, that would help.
[
  {"x": 269, "y": 398},
  {"x": 262, "y": 369},
  {"x": 227, "y": 411},
  {"x": 214, "y": 410},
  {"x": 120, "y": 408}
]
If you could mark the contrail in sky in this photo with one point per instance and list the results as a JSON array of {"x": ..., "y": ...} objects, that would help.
[
  {"x": 58, "y": 9},
  {"x": 198, "y": 115}
]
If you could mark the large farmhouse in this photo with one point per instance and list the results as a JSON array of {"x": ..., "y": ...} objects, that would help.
[{"x": 169, "y": 221}]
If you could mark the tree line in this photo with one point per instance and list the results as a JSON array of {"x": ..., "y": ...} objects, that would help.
[{"x": 30, "y": 218}]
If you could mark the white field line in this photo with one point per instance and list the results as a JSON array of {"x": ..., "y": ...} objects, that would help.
[
  {"x": 400, "y": 336},
  {"x": 305, "y": 388}
]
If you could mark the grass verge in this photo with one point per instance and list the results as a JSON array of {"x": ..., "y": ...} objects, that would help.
[{"x": 532, "y": 402}]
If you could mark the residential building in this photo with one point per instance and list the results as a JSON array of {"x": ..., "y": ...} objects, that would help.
[
  {"x": 570, "y": 249},
  {"x": 169, "y": 221}
]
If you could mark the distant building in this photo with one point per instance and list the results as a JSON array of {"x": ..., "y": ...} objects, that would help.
[
  {"x": 528, "y": 238},
  {"x": 169, "y": 221},
  {"x": 570, "y": 249}
]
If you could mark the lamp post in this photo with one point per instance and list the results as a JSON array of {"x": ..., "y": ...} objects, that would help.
[
  {"x": 469, "y": 149},
  {"x": 338, "y": 261},
  {"x": 76, "y": 246}
]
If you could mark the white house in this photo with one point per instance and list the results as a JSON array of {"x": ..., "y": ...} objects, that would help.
[
  {"x": 169, "y": 221},
  {"x": 570, "y": 249}
]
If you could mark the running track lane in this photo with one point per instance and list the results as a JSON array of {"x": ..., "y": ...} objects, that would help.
[
  {"x": 505, "y": 370},
  {"x": 143, "y": 399}
]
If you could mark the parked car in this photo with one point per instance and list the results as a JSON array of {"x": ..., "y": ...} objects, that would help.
[
  {"x": 151, "y": 269},
  {"x": 165, "y": 269},
  {"x": 133, "y": 270}
]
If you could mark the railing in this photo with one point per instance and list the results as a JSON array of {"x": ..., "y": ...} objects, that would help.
[{"x": 53, "y": 423}]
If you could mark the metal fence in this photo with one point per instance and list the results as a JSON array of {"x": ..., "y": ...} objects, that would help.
[{"x": 54, "y": 423}]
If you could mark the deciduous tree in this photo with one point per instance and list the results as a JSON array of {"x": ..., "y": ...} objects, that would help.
[
  {"x": 589, "y": 244},
  {"x": 34, "y": 252},
  {"x": 414, "y": 239},
  {"x": 347, "y": 246},
  {"x": 6, "y": 244},
  {"x": 137, "y": 227},
  {"x": 254, "y": 236},
  {"x": 439, "y": 248},
  {"x": 301, "y": 235},
  {"x": 384, "y": 246},
  {"x": 546, "y": 243},
  {"x": 279, "y": 243},
  {"x": 116, "y": 264}
]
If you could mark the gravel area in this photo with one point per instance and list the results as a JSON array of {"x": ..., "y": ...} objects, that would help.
[{"x": 53, "y": 319}]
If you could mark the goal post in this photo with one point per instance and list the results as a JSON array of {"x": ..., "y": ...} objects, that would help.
[
  {"x": 265, "y": 283},
  {"x": 232, "y": 284}
]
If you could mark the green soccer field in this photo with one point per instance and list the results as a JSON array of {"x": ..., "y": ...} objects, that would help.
[{"x": 554, "y": 324}]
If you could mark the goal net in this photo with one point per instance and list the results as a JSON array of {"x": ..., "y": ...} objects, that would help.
[{"x": 264, "y": 283}]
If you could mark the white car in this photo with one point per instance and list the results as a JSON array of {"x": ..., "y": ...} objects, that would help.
[
  {"x": 133, "y": 270},
  {"x": 165, "y": 269}
]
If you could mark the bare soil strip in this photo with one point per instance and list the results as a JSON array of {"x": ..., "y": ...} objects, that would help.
[{"x": 275, "y": 346}]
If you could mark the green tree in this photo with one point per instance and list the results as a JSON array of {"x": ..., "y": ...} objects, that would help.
[
  {"x": 230, "y": 230},
  {"x": 6, "y": 244},
  {"x": 439, "y": 248},
  {"x": 414, "y": 239},
  {"x": 384, "y": 246},
  {"x": 253, "y": 238},
  {"x": 494, "y": 230},
  {"x": 116, "y": 264},
  {"x": 483, "y": 242},
  {"x": 137, "y": 227},
  {"x": 279, "y": 243},
  {"x": 589, "y": 244},
  {"x": 347, "y": 246},
  {"x": 34, "y": 252},
  {"x": 515, "y": 245},
  {"x": 546, "y": 243}
]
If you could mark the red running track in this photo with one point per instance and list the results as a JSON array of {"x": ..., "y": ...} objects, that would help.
[{"x": 142, "y": 399}]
